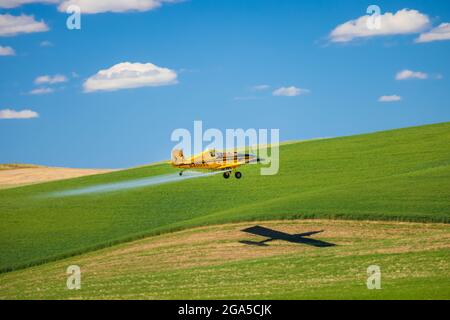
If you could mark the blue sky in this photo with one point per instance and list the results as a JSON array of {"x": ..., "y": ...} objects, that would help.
[{"x": 219, "y": 51}]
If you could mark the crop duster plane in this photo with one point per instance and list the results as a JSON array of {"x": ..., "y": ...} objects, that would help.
[{"x": 214, "y": 161}]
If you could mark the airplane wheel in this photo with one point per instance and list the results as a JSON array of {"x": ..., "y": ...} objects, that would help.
[
  {"x": 226, "y": 174},
  {"x": 181, "y": 173},
  {"x": 238, "y": 175}
]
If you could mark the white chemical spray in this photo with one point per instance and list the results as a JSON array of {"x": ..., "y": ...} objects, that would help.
[{"x": 131, "y": 184}]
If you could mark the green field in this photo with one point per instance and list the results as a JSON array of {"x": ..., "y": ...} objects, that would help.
[
  {"x": 399, "y": 175},
  {"x": 211, "y": 263}
]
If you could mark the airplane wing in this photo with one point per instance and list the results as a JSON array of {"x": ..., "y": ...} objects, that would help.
[
  {"x": 229, "y": 166},
  {"x": 233, "y": 164}
]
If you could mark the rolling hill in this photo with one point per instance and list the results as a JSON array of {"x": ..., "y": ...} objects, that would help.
[
  {"x": 213, "y": 263},
  {"x": 398, "y": 175},
  {"x": 15, "y": 175}
]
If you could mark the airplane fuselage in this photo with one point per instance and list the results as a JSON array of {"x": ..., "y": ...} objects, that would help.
[{"x": 210, "y": 160}]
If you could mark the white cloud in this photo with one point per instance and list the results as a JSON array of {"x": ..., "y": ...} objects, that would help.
[
  {"x": 441, "y": 32},
  {"x": 99, "y": 6},
  {"x": 261, "y": 87},
  {"x": 7, "y": 51},
  {"x": 404, "y": 21},
  {"x": 13, "y": 114},
  {"x": 50, "y": 79},
  {"x": 393, "y": 98},
  {"x": 13, "y": 25},
  {"x": 130, "y": 75},
  {"x": 17, "y": 3},
  {"x": 39, "y": 91},
  {"x": 95, "y": 6},
  {"x": 290, "y": 91},
  {"x": 408, "y": 74}
]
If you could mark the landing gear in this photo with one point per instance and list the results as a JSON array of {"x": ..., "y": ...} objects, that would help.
[
  {"x": 181, "y": 173},
  {"x": 227, "y": 174}
]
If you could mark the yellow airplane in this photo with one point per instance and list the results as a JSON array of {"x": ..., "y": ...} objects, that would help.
[{"x": 215, "y": 161}]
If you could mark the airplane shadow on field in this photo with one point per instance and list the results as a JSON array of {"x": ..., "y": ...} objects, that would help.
[{"x": 279, "y": 235}]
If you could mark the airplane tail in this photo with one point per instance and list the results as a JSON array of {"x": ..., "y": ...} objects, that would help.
[{"x": 177, "y": 156}]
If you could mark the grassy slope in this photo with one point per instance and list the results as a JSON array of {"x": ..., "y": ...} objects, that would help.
[
  {"x": 211, "y": 263},
  {"x": 396, "y": 175}
]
